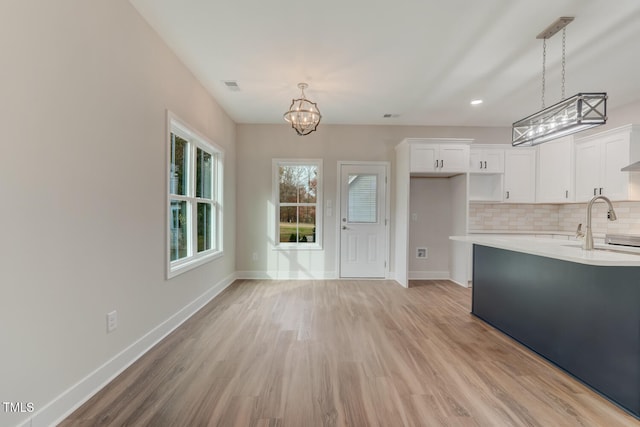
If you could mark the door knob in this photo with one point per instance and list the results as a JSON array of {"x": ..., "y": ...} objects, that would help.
[{"x": 344, "y": 227}]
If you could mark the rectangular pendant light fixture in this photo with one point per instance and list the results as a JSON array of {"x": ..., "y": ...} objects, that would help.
[
  {"x": 574, "y": 114},
  {"x": 577, "y": 113}
]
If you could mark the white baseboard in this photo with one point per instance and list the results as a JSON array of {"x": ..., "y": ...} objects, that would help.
[
  {"x": 61, "y": 407},
  {"x": 287, "y": 275},
  {"x": 464, "y": 285},
  {"x": 429, "y": 275}
]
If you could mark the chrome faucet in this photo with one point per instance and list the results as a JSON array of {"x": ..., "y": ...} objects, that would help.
[{"x": 587, "y": 245}]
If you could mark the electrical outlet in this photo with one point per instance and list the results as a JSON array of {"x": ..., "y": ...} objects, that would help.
[
  {"x": 112, "y": 321},
  {"x": 422, "y": 253}
]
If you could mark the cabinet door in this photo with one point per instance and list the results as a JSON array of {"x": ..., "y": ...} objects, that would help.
[
  {"x": 520, "y": 175},
  {"x": 493, "y": 160},
  {"x": 555, "y": 171},
  {"x": 423, "y": 157},
  {"x": 476, "y": 160},
  {"x": 615, "y": 156},
  {"x": 587, "y": 170},
  {"x": 454, "y": 158},
  {"x": 486, "y": 160}
]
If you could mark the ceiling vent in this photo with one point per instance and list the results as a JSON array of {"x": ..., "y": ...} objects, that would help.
[{"x": 232, "y": 85}]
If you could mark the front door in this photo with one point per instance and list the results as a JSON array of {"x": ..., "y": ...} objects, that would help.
[{"x": 363, "y": 222}]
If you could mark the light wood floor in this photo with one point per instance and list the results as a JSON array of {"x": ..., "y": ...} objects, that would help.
[{"x": 343, "y": 353}]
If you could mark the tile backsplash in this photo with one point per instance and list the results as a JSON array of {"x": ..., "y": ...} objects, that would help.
[
  {"x": 549, "y": 217},
  {"x": 512, "y": 217}
]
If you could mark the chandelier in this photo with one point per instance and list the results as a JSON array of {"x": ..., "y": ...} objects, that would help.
[
  {"x": 303, "y": 114},
  {"x": 575, "y": 114}
]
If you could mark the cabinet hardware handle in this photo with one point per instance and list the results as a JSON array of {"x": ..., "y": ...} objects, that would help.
[
  {"x": 566, "y": 194},
  {"x": 437, "y": 166},
  {"x": 595, "y": 191},
  {"x": 507, "y": 194},
  {"x": 441, "y": 163},
  {"x": 485, "y": 164},
  {"x": 480, "y": 164},
  {"x": 601, "y": 191}
]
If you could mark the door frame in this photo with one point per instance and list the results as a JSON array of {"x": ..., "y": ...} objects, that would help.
[{"x": 387, "y": 213}]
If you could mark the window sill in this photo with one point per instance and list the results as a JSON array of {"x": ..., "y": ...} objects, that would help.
[
  {"x": 184, "y": 266},
  {"x": 297, "y": 248}
]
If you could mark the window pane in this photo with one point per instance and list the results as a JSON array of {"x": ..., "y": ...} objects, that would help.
[
  {"x": 178, "y": 229},
  {"x": 288, "y": 224},
  {"x": 298, "y": 184},
  {"x": 363, "y": 202},
  {"x": 204, "y": 226},
  {"x": 178, "y": 172},
  {"x": 204, "y": 168},
  {"x": 307, "y": 224}
]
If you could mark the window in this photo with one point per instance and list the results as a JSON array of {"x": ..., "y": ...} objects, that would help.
[
  {"x": 297, "y": 197},
  {"x": 195, "y": 198}
]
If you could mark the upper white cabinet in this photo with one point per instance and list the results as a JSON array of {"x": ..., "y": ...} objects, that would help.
[
  {"x": 600, "y": 157},
  {"x": 520, "y": 175},
  {"x": 486, "y": 159},
  {"x": 555, "y": 178},
  {"x": 438, "y": 155}
]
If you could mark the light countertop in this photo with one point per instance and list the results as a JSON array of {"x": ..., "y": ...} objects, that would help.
[{"x": 567, "y": 250}]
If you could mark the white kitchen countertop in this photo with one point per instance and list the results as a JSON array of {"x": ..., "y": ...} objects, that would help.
[{"x": 567, "y": 250}]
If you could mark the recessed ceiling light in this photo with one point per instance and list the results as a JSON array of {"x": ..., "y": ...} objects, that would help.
[{"x": 476, "y": 102}]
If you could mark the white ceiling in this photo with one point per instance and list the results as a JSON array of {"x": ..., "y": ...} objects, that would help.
[{"x": 423, "y": 60}]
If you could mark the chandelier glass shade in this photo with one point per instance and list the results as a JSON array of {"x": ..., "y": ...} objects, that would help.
[
  {"x": 303, "y": 114},
  {"x": 577, "y": 113}
]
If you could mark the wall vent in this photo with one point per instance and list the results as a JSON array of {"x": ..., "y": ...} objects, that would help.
[{"x": 232, "y": 85}]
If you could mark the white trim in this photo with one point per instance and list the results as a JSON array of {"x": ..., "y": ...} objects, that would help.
[
  {"x": 468, "y": 285},
  {"x": 287, "y": 275},
  {"x": 429, "y": 275},
  {"x": 338, "y": 207},
  {"x": 275, "y": 179},
  {"x": 393, "y": 275},
  {"x": 197, "y": 141},
  {"x": 68, "y": 401}
]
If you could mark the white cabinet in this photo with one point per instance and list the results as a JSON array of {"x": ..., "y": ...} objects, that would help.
[
  {"x": 418, "y": 198},
  {"x": 520, "y": 175},
  {"x": 555, "y": 178},
  {"x": 486, "y": 159},
  {"x": 600, "y": 157},
  {"x": 430, "y": 157}
]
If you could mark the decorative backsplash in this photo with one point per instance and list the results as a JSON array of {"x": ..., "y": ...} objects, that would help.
[
  {"x": 561, "y": 218},
  {"x": 512, "y": 217}
]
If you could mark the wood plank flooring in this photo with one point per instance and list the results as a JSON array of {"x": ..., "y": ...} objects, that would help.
[{"x": 343, "y": 353}]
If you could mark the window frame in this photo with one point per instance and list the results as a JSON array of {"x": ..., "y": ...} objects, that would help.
[
  {"x": 297, "y": 246},
  {"x": 195, "y": 141}
]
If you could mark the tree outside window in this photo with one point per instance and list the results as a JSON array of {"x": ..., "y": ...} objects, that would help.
[
  {"x": 297, "y": 196},
  {"x": 195, "y": 199}
]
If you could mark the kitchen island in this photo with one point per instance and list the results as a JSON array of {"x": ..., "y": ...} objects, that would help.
[{"x": 578, "y": 309}]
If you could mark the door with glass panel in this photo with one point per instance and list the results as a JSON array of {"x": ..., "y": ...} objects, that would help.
[{"x": 363, "y": 222}]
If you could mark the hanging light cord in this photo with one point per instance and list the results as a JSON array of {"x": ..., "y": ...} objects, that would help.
[
  {"x": 564, "y": 42},
  {"x": 544, "y": 61},
  {"x": 564, "y": 65}
]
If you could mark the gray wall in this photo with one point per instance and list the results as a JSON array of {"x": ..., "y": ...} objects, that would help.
[{"x": 85, "y": 88}]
